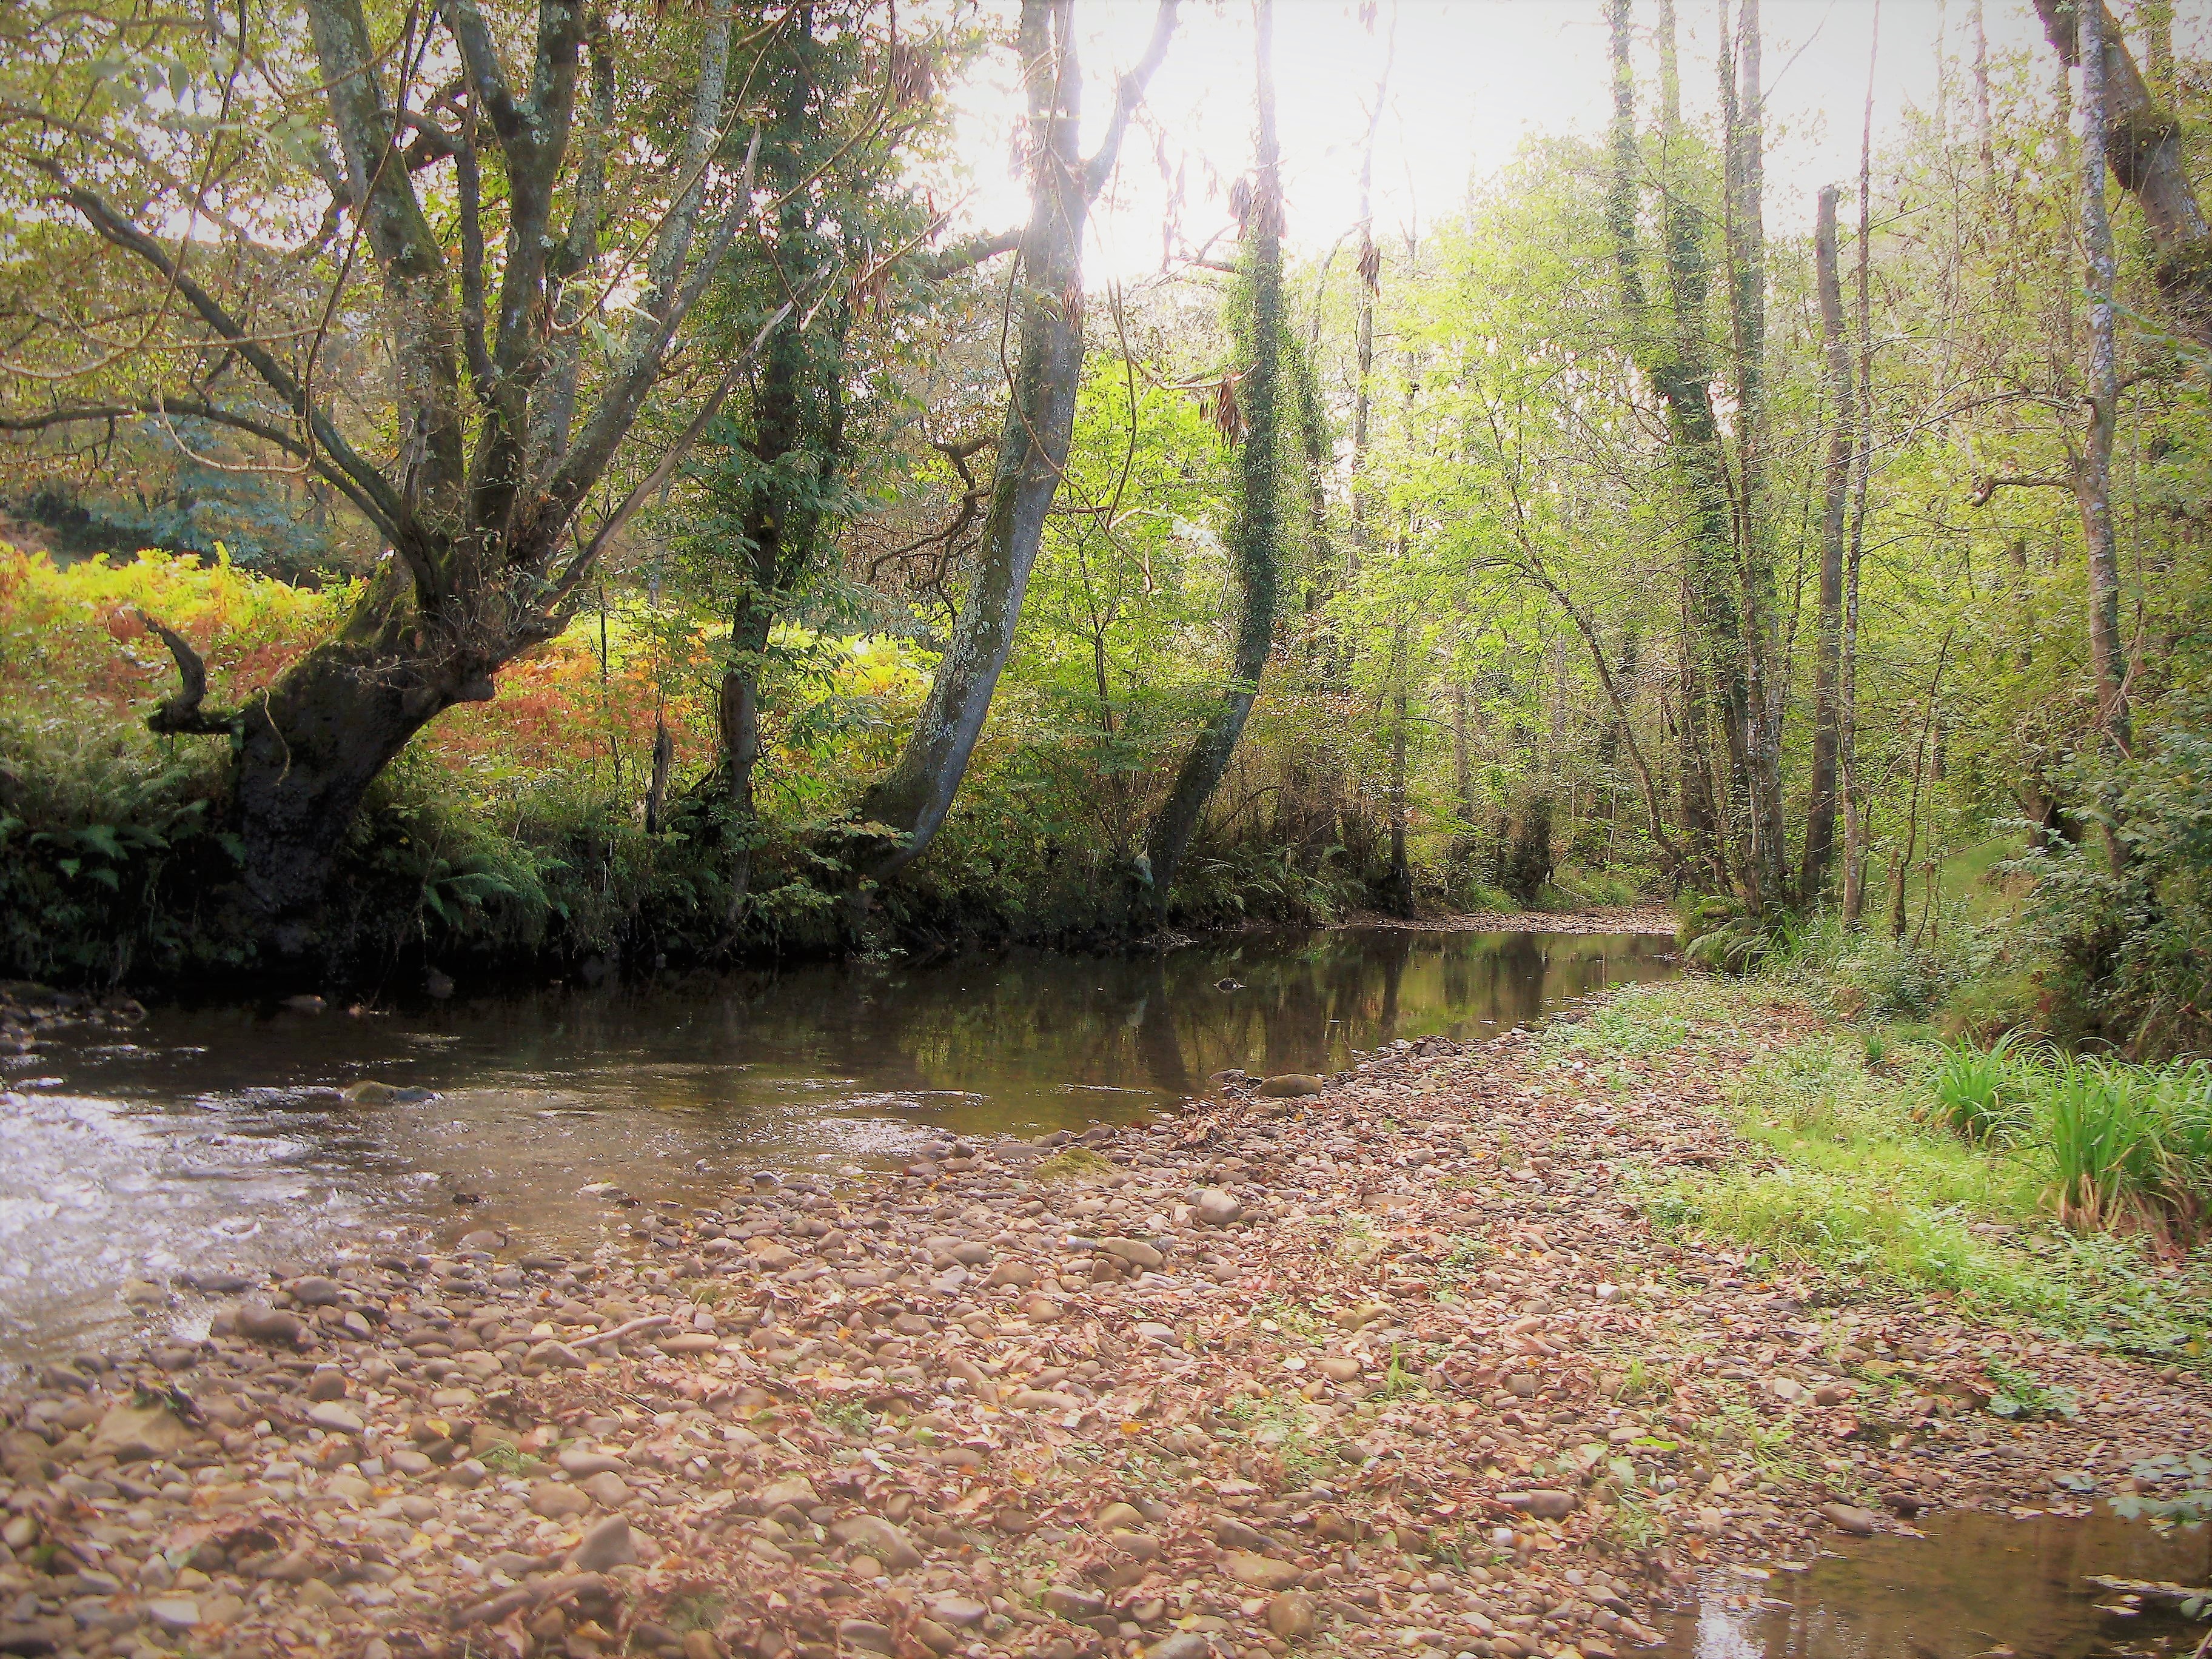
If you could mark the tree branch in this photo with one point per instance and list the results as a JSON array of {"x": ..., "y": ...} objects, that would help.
[
  {"x": 113, "y": 226},
  {"x": 480, "y": 54},
  {"x": 1129, "y": 93},
  {"x": 1979, "y": 495},
  {"x": 200, "y": 410},
  {"x": 967, "y": 254}
]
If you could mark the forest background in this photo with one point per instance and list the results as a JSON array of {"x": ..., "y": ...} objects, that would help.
[{"x": 1588, "y": 539}]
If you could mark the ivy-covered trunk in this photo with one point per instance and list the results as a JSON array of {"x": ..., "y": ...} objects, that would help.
[{"x": 1255, "y": 531}]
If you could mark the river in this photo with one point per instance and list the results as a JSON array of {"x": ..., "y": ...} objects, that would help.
[{"x": 218, "y": 1137}]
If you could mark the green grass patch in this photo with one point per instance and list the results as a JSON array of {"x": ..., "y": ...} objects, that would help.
[
  {"x": 1865, "y": 1180},
  {"x": 1078, "y": 1164},
  {"x": 1636, "y": 1021}
]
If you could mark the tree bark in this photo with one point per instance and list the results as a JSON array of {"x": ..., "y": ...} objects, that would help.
[
  {"x": 780, "y": 468},
  {"x": 1855, "y": 811},
  {"x": 1983, "y": 138},
  {"x": 1370, "y": 285},
  {"x": 2143, "y": 145},
  {"x": 912, "y": 799},
  {"x": 493, "y": 459},
  {"x": 1462, "y": 847},
  {"x": 1673, "y": 355},
  {"x": 2092, "y": 467},
  {"x": 1398, "y": 882},
  {"x": 1827, "y": 728},
  {"x": 1255, "y": 533},
  {"x": 1743, "y": 104}
]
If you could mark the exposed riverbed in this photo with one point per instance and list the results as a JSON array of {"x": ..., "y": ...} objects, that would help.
[{"x": 219, "y": 1138}]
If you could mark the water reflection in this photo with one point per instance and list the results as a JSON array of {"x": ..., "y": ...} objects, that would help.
[
  {"x": 218, "y": 1136},
  {"x": 1975, "y": 1585}
]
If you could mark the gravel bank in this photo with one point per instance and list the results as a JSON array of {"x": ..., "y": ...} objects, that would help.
[
  {"x": 1651, "y": 920},
  {"x": 1398, "y": 1367}
]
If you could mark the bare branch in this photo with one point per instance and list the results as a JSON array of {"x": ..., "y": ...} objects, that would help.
[
  {"x": 1129, "y": 93},
  {"x": 967, "y": 255},
  {"x": 200, "y": 410},
  {"x": 389, "y": 514},
  {"x": 1981, "y": 493}
]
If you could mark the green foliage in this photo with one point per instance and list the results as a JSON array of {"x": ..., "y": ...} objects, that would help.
[
  {"x": 111, "y": 856},
  {"x": 2130, "y": 1146},
  {"x": 1981, "y": 1093},
  {"x": 1866, "y": 1179},
  {"x": 2022, "y": 1395},
  {"x": 2135, "y": 951},
  {"x": 1628, "y": 1024}
]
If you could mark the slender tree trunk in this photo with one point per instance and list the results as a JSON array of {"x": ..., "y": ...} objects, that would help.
[
  {"x": 1928, "y": 719},
  {"x": 2093, "y": 472},
  {"x": 1981, "y": 130},
  {"x": 1314, "y": 445},
  {"x": 1743, "y": 106},
  {"x": 1820, "y": 805},
  {"x": 1370, "y": 286},
  {"x": 738, "y": 724},
  {"x": 1855, "y": 811},
  {"x": 2157, "y": 18},
  {"x": 1398, "y": 884},
  {"x": 1672, "y": 353},
  {"x": 1254, "y": 533},
  {"x": 1463, "y": 777},
  {"x": 779, "y": 466},
  {"x": 913, "y": 799},
  {"x": 656, "y": 791},
  {"x": 1693, "y": 761}
]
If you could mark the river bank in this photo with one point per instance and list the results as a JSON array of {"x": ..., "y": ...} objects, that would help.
[
  {"x": 1405, "y": 1363},
  {"x": 1649, "y": 921}
]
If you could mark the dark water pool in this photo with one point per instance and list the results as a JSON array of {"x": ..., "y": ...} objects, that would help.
[
  {"x": 217, "y": 1138},
  {"x": 1976, "y": 1587}
]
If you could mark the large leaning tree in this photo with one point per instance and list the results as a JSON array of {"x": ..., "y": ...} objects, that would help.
[{"x": 510, "y": 207}]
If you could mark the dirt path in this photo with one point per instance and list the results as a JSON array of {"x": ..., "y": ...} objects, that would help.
[{"x": 1404, "y": 1366}]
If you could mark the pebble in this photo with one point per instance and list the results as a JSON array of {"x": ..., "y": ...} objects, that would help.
[
  {"x": 265, "y": 1324},
  {"x": 1849, "y": 1517},
  {"x": 915, "y": 1405},
  {"x": 606, "y": 1546}
]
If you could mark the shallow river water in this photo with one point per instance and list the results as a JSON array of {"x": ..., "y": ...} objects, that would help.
[
  {"x": 217, "y": 1138},
  {"x": 1978, "y": 1586}
]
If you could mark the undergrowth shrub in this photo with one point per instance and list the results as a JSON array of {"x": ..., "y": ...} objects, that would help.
[
  {"x": 1984, "y": 1094},
  {"x": 2134, "y": 952},
  {"x": 113, "y": 854}
]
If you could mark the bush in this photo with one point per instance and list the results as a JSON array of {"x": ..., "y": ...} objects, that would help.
[{"x": 2135, "y": 951}]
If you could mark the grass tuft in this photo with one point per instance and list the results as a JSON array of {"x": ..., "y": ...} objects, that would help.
[{"x": 1983, "y": 1094}]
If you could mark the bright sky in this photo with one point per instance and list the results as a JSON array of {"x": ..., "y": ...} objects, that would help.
[{"x": 1470, "y": 79}]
